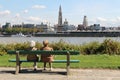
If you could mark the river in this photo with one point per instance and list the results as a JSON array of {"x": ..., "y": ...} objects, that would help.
[{"x": 71, "y": 40}]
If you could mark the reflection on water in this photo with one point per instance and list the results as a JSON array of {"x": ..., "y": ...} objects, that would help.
[{"x": 72, "y": 40}]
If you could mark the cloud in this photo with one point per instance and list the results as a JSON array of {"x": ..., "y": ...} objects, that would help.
[
  {"x": 38, "y": 6},
  {"x": 17, "y": 15},
  {"x": 107, "y": 22},
  {"x": 100, "y": 19},
  {"x": 25, "y": 11},
  {"x": 31, "y": 18},
  {"x": 6, "y": 12},
  {"x": 118, "y": 18}
]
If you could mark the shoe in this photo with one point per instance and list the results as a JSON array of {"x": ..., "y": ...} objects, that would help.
[
  {"x": 51, "y": 69},
  {"x": 45, "y": 69},
  {"x": 35, "y": 69}
]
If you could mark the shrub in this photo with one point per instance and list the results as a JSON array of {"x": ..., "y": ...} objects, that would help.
[
  {"x": 38, "y": 45},
  {"x": 110, "y": 47},
  {"x": 10, "y": 47},
  {"x": 2, "y": 49},
  {"x": 62, "y": 45},
  {"x": 90, "y": 48},
  {"x": 59, "y": 45}
]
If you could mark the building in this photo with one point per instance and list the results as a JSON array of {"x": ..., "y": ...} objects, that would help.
[
  {"x": 17, "y": 26},
  {"x": 80, "y": 27},
  {"x": 60, "y": 25},
  {"x": 60, "y": 17},
  {"x": 23, "y": 25},
  {"x": 67, "y": 27},
  {"x": 95, "y": 27},
  {"x": 28, "y": 25},
  {"x": 84, "y": 25},
  {"x": 7, "y": 25},
  {"x": 65, "y": 22},
  {"x": 85, "y": 22},
  {"x": 43, "y": 27},
  {"x": 0, "y": 26}
]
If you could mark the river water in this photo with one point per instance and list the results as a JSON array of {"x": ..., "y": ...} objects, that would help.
[{"x": 71, "y": 40}]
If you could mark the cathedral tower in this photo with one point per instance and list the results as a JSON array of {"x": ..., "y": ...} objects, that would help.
[{"x": 60, "y": 17}]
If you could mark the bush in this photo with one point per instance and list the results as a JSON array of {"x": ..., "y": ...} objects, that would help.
[
  {"x": 90, "y": 48},
  {"x": 62, "y": 45},
  {"x": 10, "y": 47},
  {"x": 2, "y": 49},
  {"x": 108, "y": 46},
  {"x": 38, "y": 45}
]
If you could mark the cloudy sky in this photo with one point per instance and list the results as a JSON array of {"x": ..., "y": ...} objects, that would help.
[{"x": 104, "y": 12}]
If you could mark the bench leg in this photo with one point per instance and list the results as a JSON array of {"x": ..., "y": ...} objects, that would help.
[
  {"x": 17, "y": 62},
  {"x": 20, "y": 66},
  {"x": 17, "y": 69},
  {"x": 68, "y": 63}
]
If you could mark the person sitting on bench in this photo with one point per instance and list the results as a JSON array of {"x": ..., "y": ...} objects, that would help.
[
  {"x": 33, "y": 57},
  {"x": 47, "y": 57}
]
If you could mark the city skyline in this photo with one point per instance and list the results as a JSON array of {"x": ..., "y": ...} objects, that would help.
[{"x": 104, "y": 12}]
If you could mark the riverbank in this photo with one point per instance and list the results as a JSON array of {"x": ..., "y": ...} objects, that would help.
[
  {"x": 81, "y": 34},
  {"x": 76, "y": 74},
  {"x": 72, "y": 34}
]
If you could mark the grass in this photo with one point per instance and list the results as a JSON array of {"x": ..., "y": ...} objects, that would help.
[{"x": 86, "y": 61}]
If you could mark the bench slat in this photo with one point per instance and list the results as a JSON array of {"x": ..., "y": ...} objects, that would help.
[
  {"x": 55, "y": 61},
  {"x": 55, "y": 52}
]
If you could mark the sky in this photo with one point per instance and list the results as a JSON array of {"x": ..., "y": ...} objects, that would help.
[{"x": 103, "y": 12}]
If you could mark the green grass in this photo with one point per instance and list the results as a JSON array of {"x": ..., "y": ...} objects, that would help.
[{"x": 86, "y": 61}]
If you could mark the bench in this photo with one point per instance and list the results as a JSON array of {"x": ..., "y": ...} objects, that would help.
[{"x": 57, "y": 52}]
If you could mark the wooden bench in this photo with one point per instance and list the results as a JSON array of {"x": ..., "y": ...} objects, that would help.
[{"x": 57, "y": 52}]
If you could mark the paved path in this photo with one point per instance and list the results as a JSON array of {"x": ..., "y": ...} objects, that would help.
[{"x": 58, "y": 74}]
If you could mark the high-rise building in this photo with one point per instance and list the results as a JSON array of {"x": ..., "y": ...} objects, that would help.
[
  {"x": 85, "y": 22},
  {"x": 60, "y": 17}
]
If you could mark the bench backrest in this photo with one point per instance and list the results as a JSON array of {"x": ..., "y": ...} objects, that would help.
[{"x": 55, "y": 52}]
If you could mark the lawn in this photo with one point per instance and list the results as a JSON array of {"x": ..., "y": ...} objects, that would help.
[{"x": 86, "y": 61}]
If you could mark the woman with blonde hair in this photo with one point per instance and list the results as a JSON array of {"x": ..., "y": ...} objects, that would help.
[{"x": 47, "y": 57}]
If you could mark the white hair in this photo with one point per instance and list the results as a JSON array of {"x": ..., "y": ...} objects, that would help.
[{"x": 32, "y": 44}]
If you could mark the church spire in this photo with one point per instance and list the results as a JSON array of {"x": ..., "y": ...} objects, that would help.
[{"x": 60, "y": 17}]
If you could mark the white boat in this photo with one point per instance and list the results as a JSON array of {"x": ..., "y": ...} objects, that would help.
[{"x": 18, "y": 35}]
